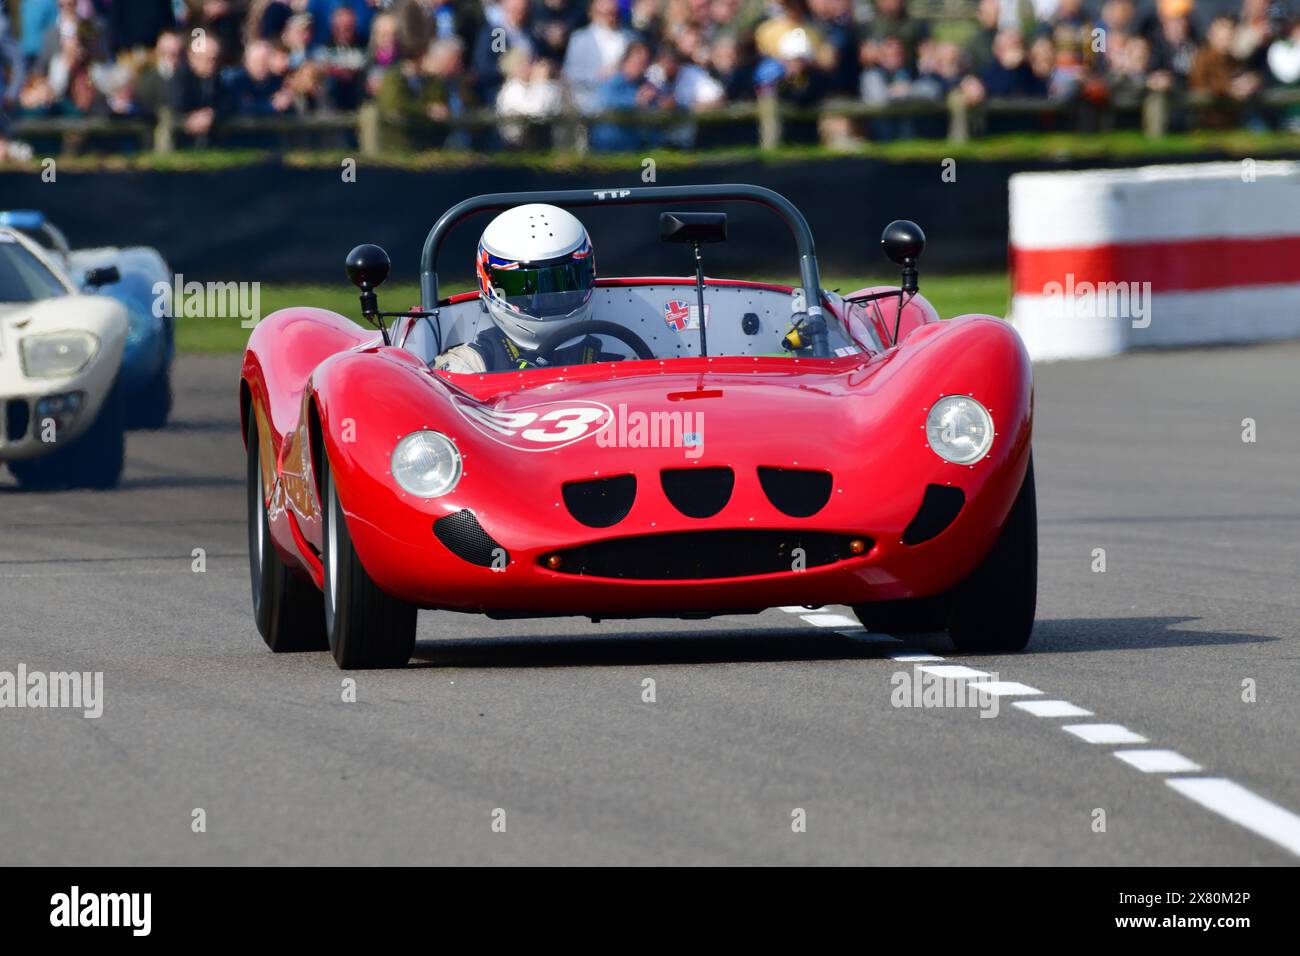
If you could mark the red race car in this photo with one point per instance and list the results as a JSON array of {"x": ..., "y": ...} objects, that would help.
[{"x": 561, "y": 444}]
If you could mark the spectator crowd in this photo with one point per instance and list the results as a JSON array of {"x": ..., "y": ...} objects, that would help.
[{"x": 426, "y": 62}]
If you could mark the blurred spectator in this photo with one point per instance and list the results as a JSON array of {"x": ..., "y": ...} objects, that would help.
[
  {"x": 512, "y": 31},
  {"x": 1284, "y": 65},
  {"x": 730, "y": 70},
  {"x": 629, "y": 90},
  {"x": 834, "y": 19},
  {"x": 296, "y": 39},
  {"x": 1254, "y": 33},
  {"x": 792, "y": 27},
  {"x": 435, "y": 88},
  {"x": 891, "y": 80},
  {"x": 197, "y": 96},
  {"x": 1010, "y": 73},
  {"x": 323, "y": 12},
  {"x": 979, "y": 49},
  {"x": 343, "y": 60},
  {"x": 70, "y": 18},
  {"x": 154, "y": 81},
  {"x": 385, "y": 50},
  {"x": 892, "y": 20},
  {"x": 254, "y": 89},
  {"x": 594, "y": 55},
  {"x": 222, "y": 19},
  {"x": 531, "y": 91},
  {"x": 1215, "y": 70},
  {"x": 36, "y": 17},
  {"x": 1173, "y": 42}
]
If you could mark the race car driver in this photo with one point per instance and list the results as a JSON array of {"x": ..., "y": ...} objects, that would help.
[{"x": 536, "y": 273}]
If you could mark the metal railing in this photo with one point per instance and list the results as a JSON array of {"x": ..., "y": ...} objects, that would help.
[{"x": 765, "y": 122}]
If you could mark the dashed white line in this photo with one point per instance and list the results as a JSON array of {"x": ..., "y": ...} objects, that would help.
[
  {"x": 1004, "y": 688},
  {"x": 1241, "y": 806},
  {"x": 1158, "y": 761},
  {"x": 829, "y": 620},
  {"x": 1052, "y": 708},
  {"x": 952, "y": 671},
  {"x": 908, "y": 657},
  {"x": 1104, "y": 733}
]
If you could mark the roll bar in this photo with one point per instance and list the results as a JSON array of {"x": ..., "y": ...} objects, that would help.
[{"x": 809, "y": 277}]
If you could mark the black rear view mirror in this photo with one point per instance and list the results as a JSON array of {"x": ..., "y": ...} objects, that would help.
[{"x": 693, "y": 226}]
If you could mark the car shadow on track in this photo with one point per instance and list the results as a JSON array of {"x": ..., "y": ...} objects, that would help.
[
  {"x": 752, "y": 645},
  {"x": 739, "y": 645}
]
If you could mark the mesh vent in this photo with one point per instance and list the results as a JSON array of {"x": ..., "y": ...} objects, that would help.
[
  {"x": 695, "y": 555},
  {"x": 796, "y": 492},
  {"x": 465, "y": 538},
  {"x": 601, "y": 502},
  {"x": 698, "y": 492}
]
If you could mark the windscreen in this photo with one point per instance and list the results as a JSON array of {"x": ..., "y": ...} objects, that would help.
[{"x": 23, "y": 277}]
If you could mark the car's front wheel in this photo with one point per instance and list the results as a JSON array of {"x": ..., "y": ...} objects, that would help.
[
  {"x": 287, "y": 607},
  {"x": 366, "y": 627},
  {"x": 993, "y": 608}
]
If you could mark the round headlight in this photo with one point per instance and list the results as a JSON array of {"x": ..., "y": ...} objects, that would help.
[
  {"x": 426, "y": 464},
  {"x": 960, "y": 429}
]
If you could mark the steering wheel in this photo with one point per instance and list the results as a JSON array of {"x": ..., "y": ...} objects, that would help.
[{"x": 591, "y": 327}]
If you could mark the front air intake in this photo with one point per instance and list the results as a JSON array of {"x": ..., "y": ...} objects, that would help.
[
  {"x": 698, "y": 492},
  {"x": 464, "y": 537},
  {"x": 939, "y": 508},
  {"x": 601, "y": 502},
  {"x": 699, "y": 555},
  {"x": 799, "y": 493}
]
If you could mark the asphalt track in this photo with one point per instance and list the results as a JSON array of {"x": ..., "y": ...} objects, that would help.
[{"x": 754, "y": 716}]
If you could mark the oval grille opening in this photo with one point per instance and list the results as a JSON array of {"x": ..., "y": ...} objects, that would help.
[
  {"x": 602, "y": 502},
  {"x": 698, "y": 492},
  {"x": 939, "y": 508},
  {"x": 799, "y": 493}
]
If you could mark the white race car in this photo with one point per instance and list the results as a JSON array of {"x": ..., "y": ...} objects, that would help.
[{"x": 64, "y": 420}]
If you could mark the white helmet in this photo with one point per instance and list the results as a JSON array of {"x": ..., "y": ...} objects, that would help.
[{"x": 536, "y": 271}]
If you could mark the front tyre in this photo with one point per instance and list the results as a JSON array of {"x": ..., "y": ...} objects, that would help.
[
  {"x": 287, "y": 607},
  {"x": 993, "y": 609},
  {"x": 366, "y": 627}
]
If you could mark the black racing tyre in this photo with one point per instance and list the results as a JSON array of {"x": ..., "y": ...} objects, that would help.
[
  {"x": 93, "y": 460},
  {"x": 366, "y": 627},
  {"x": 287, "y": 607},
  {"x": 905, "y": 616},
  {"x": 993, "y": 608},
  {"x": 152, "y": 405}
]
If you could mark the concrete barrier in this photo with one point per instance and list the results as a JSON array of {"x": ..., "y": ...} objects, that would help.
[{"x": 1107, "y": 261}]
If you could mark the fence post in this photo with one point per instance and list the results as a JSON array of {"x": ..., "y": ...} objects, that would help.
[
  {"x": 1155, "y": 114},
  {"x": 163, "y": 139},
  {"x": 368, "y": 139},
  {"x": 958, "y": 116},
  {"x": 769, "y": 121}
]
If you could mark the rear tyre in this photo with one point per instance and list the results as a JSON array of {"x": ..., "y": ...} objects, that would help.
[
  {"x": 94, "y": 460},
  {"x": 366, "y": 627},
  {"x": 287, "y": 607},
  {"x": 993, "y": 609}
]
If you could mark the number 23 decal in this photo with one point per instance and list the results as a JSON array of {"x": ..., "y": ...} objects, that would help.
[{"x": 538, "y": 427}]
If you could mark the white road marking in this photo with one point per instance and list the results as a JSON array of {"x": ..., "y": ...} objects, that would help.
[
  {"x": 952, "y": 671},
  {"x": 1004, "y": 688},
  {"x": 829, "y": 620},
  {"x": 907, "y": 657},
  {"x": 1158, "y": 761},
  {"x": 1241, "y": 806},
  {"x": 1052, "y": 708},
  {"x": 800, "y": 609},
  {"x": 1104, "y": 733}
]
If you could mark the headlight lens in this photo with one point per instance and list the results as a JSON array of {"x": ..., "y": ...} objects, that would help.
[
  {"x": 960, "y": 429},
  {"x": 57, "y": 354},
  {"x": 426, "y": 464}
]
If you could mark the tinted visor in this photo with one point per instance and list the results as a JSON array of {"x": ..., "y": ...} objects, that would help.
[{"x": 545, "y": 291}]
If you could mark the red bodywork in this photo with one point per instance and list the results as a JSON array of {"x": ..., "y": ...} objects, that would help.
[{"x": 320, "y": 384}]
